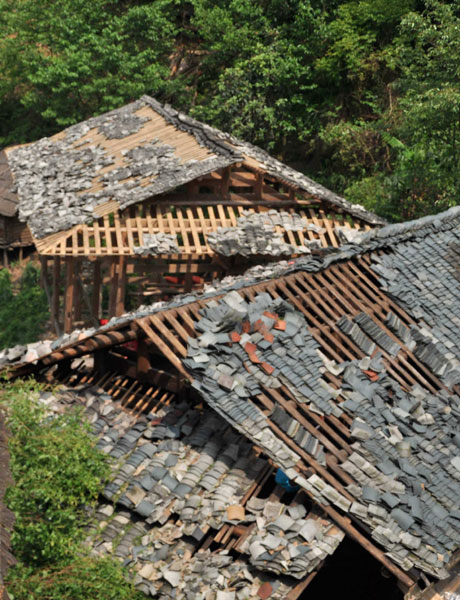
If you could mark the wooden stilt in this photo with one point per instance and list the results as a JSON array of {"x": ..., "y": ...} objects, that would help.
[
  {"x": 69, "y": 295},
  {"x": 77, "y": 296},
  {"x": 56, "y": 292},
  {"x": 113, "y": 288},
  {"x": 46, "y": 287},
  {"x": 121, "y": 291},
  {"x": 96, "y": 299}
]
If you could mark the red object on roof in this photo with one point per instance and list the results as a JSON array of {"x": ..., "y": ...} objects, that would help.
[
  {"x": 250, "y": 348},
  {"x": 267, "y": 368},
  {"x": 235, "y": 336},
  {"x": 281, "y": 325}
]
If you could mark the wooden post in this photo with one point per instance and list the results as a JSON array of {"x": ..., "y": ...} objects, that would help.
[
  {"x": 96, "y": 299},
  {"x": 56, "y": 290},
  {"x": 76, "y": 294},
  {"x": 46, "y": 287},
  {"x": 113, "y": 288},
  {"x": 258, "y": 186},
  {"x": 225, "y": 182},
  {"x": 21, "y": 255},
  {"x": 69, "y": 295},
  {"x": 5, "y": 257},
  {"x": 120, "y": 306}
]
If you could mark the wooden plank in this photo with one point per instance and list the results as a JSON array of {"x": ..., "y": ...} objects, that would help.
[
  {"x": 108, "y": 235},
  {"x": 196, "y": 239}
]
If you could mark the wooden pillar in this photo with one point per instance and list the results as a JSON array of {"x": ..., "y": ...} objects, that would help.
[
  {"x": 55, "y": 294},
  {"x": 69, "y": 294},
  {"x": 21, "y": 254},
  {"x": 113, "y": 288},
  {"x": 225, "y": 182},
  {"x": 96, "y": 298},
  {"x": 188, "y": 276},
  {"x": 77, "y": 295},
  {"x": 49, "y": 296},
  {"x": 120, "y": 306},
  {"x": 258, "y": 186},
  {"x": 5, "y": 257}
]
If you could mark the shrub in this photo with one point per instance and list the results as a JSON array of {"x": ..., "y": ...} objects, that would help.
[
  {"x": 56, "y": 468},
  {"x": 22, "y": 315}
]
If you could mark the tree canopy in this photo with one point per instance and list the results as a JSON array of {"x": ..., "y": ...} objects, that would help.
[{"x": 362, "y": 95}]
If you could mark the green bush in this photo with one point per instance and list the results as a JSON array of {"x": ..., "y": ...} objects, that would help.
[
  {"x": 22, "y": 315},
  {"x": 57, "y": 470},
  {"x": 83, "y": 578}
]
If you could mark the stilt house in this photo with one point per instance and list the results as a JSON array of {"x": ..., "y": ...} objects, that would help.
[{"x": 144, "y": 201}]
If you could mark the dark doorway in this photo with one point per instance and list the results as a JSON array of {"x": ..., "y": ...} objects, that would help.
[{"x": 352, "y": 573}]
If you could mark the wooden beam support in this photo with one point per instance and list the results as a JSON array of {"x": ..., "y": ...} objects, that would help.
[
  {"x": 56, "y": 293},
  {"x": 69, "y": 295},
  {"x": 96, "y": 296}
]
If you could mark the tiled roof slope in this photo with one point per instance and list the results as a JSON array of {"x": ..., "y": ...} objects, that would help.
[
  {"x": 366, "y": 336},
  {"x": 177, "y": 475},
  {"x": 127, "y": 155}
]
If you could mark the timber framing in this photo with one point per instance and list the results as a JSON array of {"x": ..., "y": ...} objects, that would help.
[{"x": 147, "y": 172}]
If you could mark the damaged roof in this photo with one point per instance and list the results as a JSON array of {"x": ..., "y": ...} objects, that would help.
[
  {"x": 181, "y": 478},
  {"x": 128, "y": 155},
  {"x": 344, "y": 368}
]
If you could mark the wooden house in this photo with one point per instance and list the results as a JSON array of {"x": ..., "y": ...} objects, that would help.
[{"x": 144, "y": 201}]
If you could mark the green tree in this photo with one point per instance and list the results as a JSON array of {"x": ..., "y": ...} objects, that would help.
[
  {"x": 63, "y": 61},
  {"x": 57, "y": 470},
  {"x": 24, "y": 314}
]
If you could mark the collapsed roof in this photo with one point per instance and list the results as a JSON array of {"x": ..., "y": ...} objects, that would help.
[
  {"x": 182, "y": 479},
  {"x": 128, "y": 155},
  {"x": 344, "y": 369}
]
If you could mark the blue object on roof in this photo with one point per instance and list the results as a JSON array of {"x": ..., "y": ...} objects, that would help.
[{"x": 283, "y": 480}]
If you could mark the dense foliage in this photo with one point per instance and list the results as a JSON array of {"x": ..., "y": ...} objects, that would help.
[
  {"x": 56, "y": 470},
  {"x": 360, "y": 94},
  {"x": 22, "y": 314}
]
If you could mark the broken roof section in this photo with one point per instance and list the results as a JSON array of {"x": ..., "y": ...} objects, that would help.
[
  {"x": 344, "y": 368},
  {"x": 183, "y": 481},
  {"x": 128, "y": 155}
]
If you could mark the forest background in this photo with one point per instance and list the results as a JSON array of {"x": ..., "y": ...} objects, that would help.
[{"x": 361, "y": 95}]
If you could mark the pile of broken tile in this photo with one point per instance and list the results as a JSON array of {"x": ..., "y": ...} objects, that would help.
[
  {"x": 245, "y": 347},
  {"x": 155, "y": 244},
  {"x": 176, "y": 475},
  {"x": 255, "y": 234},
  {"x": 406, "y": 459}
]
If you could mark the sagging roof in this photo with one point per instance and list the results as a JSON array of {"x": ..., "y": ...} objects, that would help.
[
  {"x": 128, "y": 155},
  {"x": 343, "y": 368},
  {"x": 183, "y": 480}
]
